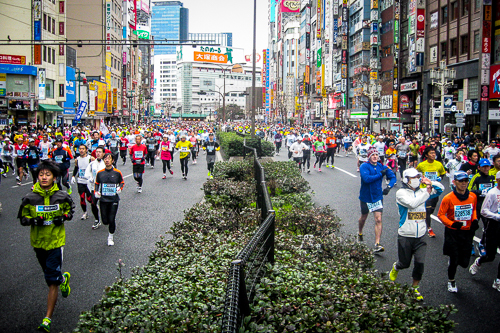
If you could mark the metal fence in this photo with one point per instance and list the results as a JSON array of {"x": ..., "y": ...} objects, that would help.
[{"x": 249, "y": 265}]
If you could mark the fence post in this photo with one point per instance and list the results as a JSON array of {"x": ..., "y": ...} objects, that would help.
[
  {"x": 244, "y": 304},
  {"x": 270, "y": 256}
]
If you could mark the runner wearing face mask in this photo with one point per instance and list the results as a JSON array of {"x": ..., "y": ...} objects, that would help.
[{"x": 411, "y": 206}]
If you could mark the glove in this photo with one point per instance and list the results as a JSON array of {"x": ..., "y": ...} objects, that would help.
[
  {"x": 58, "y": 220},
  {"x": 438, "y": 179},
  {"x": 118, "y": 190},
  {"x": 73, "y": 180},
  {"x": 37, "y": 221},
  {"x": 457, "y": 225},
  {"x": 474, "y": 225},
  {"x": 97, "y": 195},
  {"x": 386, "y": 191}
]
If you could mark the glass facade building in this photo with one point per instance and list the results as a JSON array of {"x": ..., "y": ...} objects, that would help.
[
  {"x": 224, "y": 39},
  {"x": 170, "y": 20}
]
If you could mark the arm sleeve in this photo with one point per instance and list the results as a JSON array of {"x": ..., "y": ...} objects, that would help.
[
  {"x": 75, "y": 169},
  {"x": 367, "y": 178},
  {"x": 438, "y": 188},
  {"x": 391, "y": 176},
  {"x": 474, "y": 211},
  {"x": 443, "y": 210},
  {"x": 411, "y": 202},
  {"x": 487, "y": 205},
  {"x": 97, "y": 182}
]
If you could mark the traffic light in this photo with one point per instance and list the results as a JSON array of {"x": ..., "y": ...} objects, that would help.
[{"x": 83, "y": 77}]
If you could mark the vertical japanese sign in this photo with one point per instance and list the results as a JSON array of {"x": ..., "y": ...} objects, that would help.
[
  {"x": 485, "y": 59},
  {"x": 109, "y": 25},
  {"x": 264, "y": 64},
  {"x": 3, "y": 84},
  {"x": 41, "y": 83},
  {"x": 318, "y": 19},
  {"x": 132, "y": 14},
  {"x": 268, "y": 101}
]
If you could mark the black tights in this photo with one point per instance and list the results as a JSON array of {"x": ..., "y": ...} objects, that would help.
[
  {"x": 306, "y": 158},
  {"x": 320, "y": 157},
  {"x": 166, "y": 164},
  {"x": 138, "y": 178},
  {"x": 330, "y": 154},
  {"x": 108, "y": 215},
  {"x": 455, "y": 261},
  {"x": 184, "y": 165}
]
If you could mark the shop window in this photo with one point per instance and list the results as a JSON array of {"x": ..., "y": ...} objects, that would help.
[
  {"x": 444, "y": 15},
  {"x": 49, "y": 88},
  {"x": 477, "y": 5},
  {"x": 464, "y": 44}
]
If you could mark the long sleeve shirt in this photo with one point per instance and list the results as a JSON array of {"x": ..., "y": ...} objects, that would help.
[
  {"x": 371, "y": 181},
  {"x": 453, "y": 210},
  {"x": 491, "y": 204}
]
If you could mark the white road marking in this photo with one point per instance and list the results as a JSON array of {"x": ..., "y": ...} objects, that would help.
[
  {"x": 128, "y": 176},
  {"x": 30, "y": 183},
  {"x": 350, "y": 174},
  {"x": 476, "y": 239}
]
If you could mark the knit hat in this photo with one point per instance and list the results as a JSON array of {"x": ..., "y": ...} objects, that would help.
[{"x": 371, "y": 151}]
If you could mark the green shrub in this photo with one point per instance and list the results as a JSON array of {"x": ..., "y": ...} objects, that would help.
[
  {"x": 237, "y": 170},
  {"x": 229, "y": 193},
  {"x": 284, "y": 178},
  {"x": 320, "y": 221},
  {"x": 232, "y": 144},
  {"x": 297, "y": 200}
]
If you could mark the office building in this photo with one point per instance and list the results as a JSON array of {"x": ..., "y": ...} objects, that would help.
[
  {"x": 169, "y": 21},
  {"x": 224, "y": 39}
]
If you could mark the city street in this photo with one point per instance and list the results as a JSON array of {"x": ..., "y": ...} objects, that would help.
[
  {"x": 141, "y": 219},
  {"x": 477, "y": 302}
]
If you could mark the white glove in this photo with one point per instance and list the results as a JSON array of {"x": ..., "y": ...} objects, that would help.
[
  {"x": 73, "y": 180},
  {"x": 97, "y": 195},
  {"x": 118, "y": 190}
]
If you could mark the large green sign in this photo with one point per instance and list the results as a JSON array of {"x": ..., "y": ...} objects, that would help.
[{"x": 143, "y": 34}]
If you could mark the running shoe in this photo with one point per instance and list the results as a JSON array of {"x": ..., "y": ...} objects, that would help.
[
  {"x": 431, "y": 233},
  {"x": 452, "y": 286},
  {"x": 393, "y": 274},
  {"x": 70, "y": 190},
  {"x": 171, "y": 172},
  {"x": 378, "y": 248},
  {"x": 360, "y": 237},
  {"x": 319, "y": 169},
  {"x": 139, "y": 190},
  {"x": 14, "y": 173},
  {"x": 473, "y": 251},
  {"x": 358, "y": 170},
  {"x": 18, "y": 183},
  {"x": 211, "y": 177},
  {"x": 110, "y": 240},
  {"x": 64, "y": 287},
  {"x": 308, "y": 170},
  {"x": 164, "y": 177},
  {"x": 152, "y": 167},
  {"x": 96, "y": 224},
  {"x": 4, "y": 175},
  {"x": 185, "y": 177},
  {"x": 496, "y": 284},
  {"x": 18, "y": 179},
  {"x": 45, "y": 325},
  {"x": 328, "y": 165},
  {"x": 418, "y": 296},
  {"x": 209, "y": 174},
  {"x": 85, "y": 216},
  {"x": 482, "y": 250},
  {"x": 332, "y": 166},
  {"x": 474, "y": 267}
]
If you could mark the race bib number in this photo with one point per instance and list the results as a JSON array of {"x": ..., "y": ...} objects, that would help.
[
  {"x": 81, "y": 173},
  {"x": 402, "y": 154},
  {"x": 33, "y": 154},
  {"x": 20, "y": 152},
  {"x": 184, "y": 149},
  {"x": 463, "y": 213},
  {"x": 484, "y": 188},
  {"x": 112, "y": 144},
  {"x": 363, "y": 152},
  {"x": 164, "y": 148},
  {"x": 417, "y": 216},
  {"x": 374, "y": 206},
  {"x": 210, "y": 149},
  {"x": 45, "y": 151},
  {"x": 47, "y": 212},
  {"x": 108, "y": 190},
  {"x": 152, "y": 146},
  {"x": 278, "y": 140},
  {"x": 431, "y": 175},
  {"x": 138, "y": 154},
  {"x": 58, "y": 158}
]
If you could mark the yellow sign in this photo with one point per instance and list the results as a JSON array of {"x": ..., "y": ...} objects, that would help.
[
  {"x": 308, "y": 74},
  {"x": 374, "y": 4},
  {"x": 115, "y": 98},
  {"x": 373, "y": 75},
  {"x": 91, "y": 110},
  {"x": 108, "y": 69},
  {"x": 100, "y": 89},
  {"x": 395, "y": 101},
  {"x": 110, "y": 102}
]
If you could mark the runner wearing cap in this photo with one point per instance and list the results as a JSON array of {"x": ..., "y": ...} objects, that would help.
[
  {"x": 297, "y": 149},
  {"x": 371, "y": 194},
  {"x": 19, "y": 149},
  {"x": 411, "y": 206},
  {"x": 480, "y": 184},
  {"x": 458, "y": 213},
  {"x": 138, "y": 154},
  {"x": 491, "y": 236},
  {"x": 33, "y": 154},
  {"x": 185, "y": 150}
]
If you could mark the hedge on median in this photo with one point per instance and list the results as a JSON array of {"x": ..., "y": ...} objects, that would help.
[
  {"x": 321, "y": 281},
  {"x": 232, "y": 144}
]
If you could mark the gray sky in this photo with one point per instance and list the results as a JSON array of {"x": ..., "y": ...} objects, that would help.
[{"x": 234, "y": 16}]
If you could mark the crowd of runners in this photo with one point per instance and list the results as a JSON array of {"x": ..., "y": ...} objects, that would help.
[{"x": 91, "y": 161}]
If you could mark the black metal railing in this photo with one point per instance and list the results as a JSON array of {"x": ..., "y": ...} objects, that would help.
[{"x": 248, "y": 267}]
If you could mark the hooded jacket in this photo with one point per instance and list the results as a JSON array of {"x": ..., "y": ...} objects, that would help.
[
  {"x": 49, "y": 204},
  {"x": 411, "y": 206}
]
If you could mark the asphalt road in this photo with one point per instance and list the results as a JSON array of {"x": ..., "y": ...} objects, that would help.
[
  {"x": 478, "y": 303},
  {"x": 141, "y": 219}
]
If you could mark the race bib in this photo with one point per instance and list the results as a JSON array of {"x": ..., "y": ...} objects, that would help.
[
  {"x": 81, "y": 173},
  {"x": 417, "y": 216},
  {"x": 402, "y": 154},
  {"x": 33, "y": 154},
  {"x": 363, "y": 152},
  {"x": 138, "y": 154},
  {"x": 184, "y": 149},
  {"x": 112, "y": 144},
  {"x": 45, "y": 151},
  {"x": 278, "y": 140},
  {"x": 58, "y": 158},
  {"x": 210, "y": 149},
  {"x": 20, "y": 152},
  {"x": 431, "y": 175},
  {"x": 463, "y": 213},
  {"x": 47, "y": 212},
  {"x": 484, "y": 188},
  {"x": 152, "y": 146},
  {"x": 108, "y": 190},
  {"x": 374, "y": 206},
  {"x": 164, "y": 148}
]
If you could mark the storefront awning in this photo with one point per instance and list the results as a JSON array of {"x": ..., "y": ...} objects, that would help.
[{"x": 50, "y": 107}]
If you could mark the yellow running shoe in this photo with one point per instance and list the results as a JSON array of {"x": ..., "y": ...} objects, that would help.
[
  {"x": 418, "y": 296},
  {"x": 65, "y": 288},
  {"x": 393, "y": 275}
]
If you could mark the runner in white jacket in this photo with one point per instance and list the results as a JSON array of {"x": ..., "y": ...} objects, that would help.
[{"x": 297, "y": 149}]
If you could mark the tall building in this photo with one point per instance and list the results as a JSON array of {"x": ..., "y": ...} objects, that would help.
[
  {"x": 165, "y": 81},
  {"x": 32, "y": 77},
  {"x": 170, "y": 20},
  {"x": 224, "y": 39}
]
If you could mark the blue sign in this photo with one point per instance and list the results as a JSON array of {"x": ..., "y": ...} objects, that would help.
[
  {"x": 37, "y": 30},
  {"x": 18, "y": 69},
  {"x": 476, "y": 106},
  {"x": 81, "y": 110},
  {"x": 69, "y": 105}
]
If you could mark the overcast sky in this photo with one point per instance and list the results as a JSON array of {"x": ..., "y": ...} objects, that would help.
[{"x": 234, "y": 16}]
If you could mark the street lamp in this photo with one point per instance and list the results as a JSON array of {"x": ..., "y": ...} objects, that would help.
[
  {"x": 254, "y": 64},
  {"x": 372, "y": 91},
  {"x": 440, "y": 79}
]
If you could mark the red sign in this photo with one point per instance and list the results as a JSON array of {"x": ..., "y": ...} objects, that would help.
[
  {"x": 61, "y": 49},
  {"x": 124, "y": 93},
  {"x": 486, "y": 46},
  {"x": 61, "y": 7},
  {"x": 37, "y": 54},
  {"x": 420, "y": 22},
  {"x": 14, "y": 59},
  {"x": 495, "y": 81},
  {"x": 290, "y": 6},
  {"x": 484, "y": 93},
  {"x": 61, "y": 28}
]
